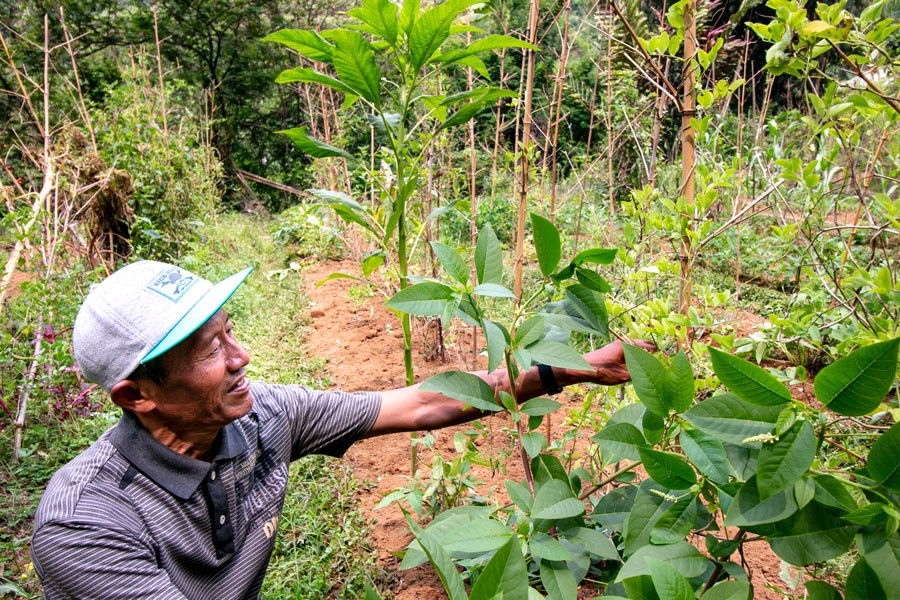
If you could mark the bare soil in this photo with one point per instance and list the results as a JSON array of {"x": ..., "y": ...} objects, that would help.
[{"x": 363, "y": 347}]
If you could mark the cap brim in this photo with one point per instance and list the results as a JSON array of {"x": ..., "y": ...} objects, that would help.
[{"x": 207, "y": 306}]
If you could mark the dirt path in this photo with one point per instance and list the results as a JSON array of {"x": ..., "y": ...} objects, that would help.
[{"x": 362, "y": 344}]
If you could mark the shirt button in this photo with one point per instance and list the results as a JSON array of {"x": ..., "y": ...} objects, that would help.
[
  {"x": 222, "y": 520},
  {"x": 212, "y": 475}
]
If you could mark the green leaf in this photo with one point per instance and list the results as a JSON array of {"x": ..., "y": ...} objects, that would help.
[
  {"x": 811, "y": 535},
  {"x": 558, "y": 580},
  {"x": 381, "y": 16},
  {"x": 681, "y": 556},
  {"x": 520, "y": 496},
  {"x": 648, "y": 377},
  {"x": 679, "y": 384},
  {"x": 537, "y": 407},
  {"x": 488, "y": 257},
  {"x": 464, "y": 387},
  {"x": 308, "y": 43},
  {"x": 429, "y": 31},
  {"x": 427, "y": 298},
  {"x": 676, "y": 523},
  {"x": 781, "y": 464},
  {"x": 619, "y": 441},
  {"x": 731, "y": 420},
  {"x": 596, "y": 256},
  {"x": 749, "y": 382},
  {"x": 748, "y": 509},
  {"x": 475, "y": 538},
  {"x": 446, "y": 570},
  {"x": 646, "y": 509},
  {"x": 533, "y": 443},
  {"x": 668, "y": 581},
  {"x": 882, "y": 552},
  {"x": 354, "y": 63},
  {"x": 546, "y": 243},
  {"x": 554, "y": 501},
  {"x": 594, "y": 542},
  {"x": 590, "y": 306},
  {"x": 883, "y": 463},
  {"x": 858, "y": 383},
  {"x": 490, "y": 42},
  {"x": 493, "y": 290},
  {"x": 592, "y": 280},
  {"x": 311, "y": 146},
  {"x": 452, "y": 262},
  {"x": 505, "y": 575},
  {"x": 547, "y": 548},
  {"x": 707, "y": 454},
  {"x": 496, "y": 344},
  {"x": 557, "y": 355},
  {"x": 667, "y": 469},
  {"x": 484, "y": 98},
  {"x": 863, "y": 583},
  {"x": 372, "y": 262},
  {"x": 730, "y": 590},
  {"x": 530, "y": 331}
]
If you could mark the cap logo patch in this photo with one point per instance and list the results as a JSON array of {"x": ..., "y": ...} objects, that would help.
[{"x": 172, "y": 283}]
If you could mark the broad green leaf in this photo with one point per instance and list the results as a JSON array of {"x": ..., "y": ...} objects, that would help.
[
  {"x": 870, "y": 514},
  {"x": 493, "y": 290},
  {"x": 547, "y": 468},
  {"x": 537, "y": 407},
  {"x": 567, "y": 323},
  {"x": 679, "y": 386},
  {"x": 653, "y": 426},
  {"x": 748, "y": 509},
  {"x": 811, "y": 535},
  {"x": 648, "y": 507},
  {"x": 372, "y": 262},
  {"x": 308, "y": 43},
  {"x": 307, "y": 75},
  {"x": 592, "y": 280},
  {"x": 732, "y": 420},
  {"x": 667, "y": 469},
  {"x": 453, "y": 264},
  {"x": 475, "y": 63},
  {"x": 590, "y": 306},
  {"x": 614, "y": 508},
  {"x": 505, "y": 575},
  {"x": 487, "y": 97},
  {"x": 706, "y": 453},
  {"x": 381, "y": 16},
  {"x": 681, "y": 556},
  {"x": 496, "y": 344},
  {"x": 311, "y": 146},
  {"x": 557, "y": 355},
  {"x": 464, "y": 387},
  {"x": 530, "y": 331},
  {"x": 409, "y": 10},
  {"x": 863, "y": 583},
  {"x": 354, "y": 63},
  {"x": 830, "y": 490},
  {"x": 490, "y": 42},
  {"x": 546, "y": 243},
  {"x": 781, "y": 464},
  {"x": 748, "y": 382},
  {"x": 446, "y": 569},
  {"x": 488, "y": 257},
  {"x": 668, "y": 581},
  {"x": 594, "y": 542},
  {"x": 597, "y": 256},
  {"x": 730, "y": 590},
  {"x": 883, "y": 463},
  {"x": 554, "y": 500},
  {"x": 558, "y": 580},
  {"x": 858, "y": 383},
  {"x": 475, "y": 538},
  {"x": 648, "y": 377},
  {"x": 619, "y": 441},
  {"x": 883, "y": 554},
  {"x": 548, "y": 548},
  {"x": 676, "y": 523},
  {"x": 533, "y": 443},
  {"x": 520, "y": 496},
  {"x": 431, "y": 29},
  {"x": 427, "y": 298}
]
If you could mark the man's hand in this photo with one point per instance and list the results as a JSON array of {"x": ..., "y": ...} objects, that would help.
[{"x": 609, "y": 362}]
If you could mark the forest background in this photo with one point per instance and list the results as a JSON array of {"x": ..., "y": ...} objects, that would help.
[{"x": 743, "y": 158}]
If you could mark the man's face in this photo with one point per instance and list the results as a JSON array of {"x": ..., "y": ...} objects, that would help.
[{"x": 205, "y": 383}]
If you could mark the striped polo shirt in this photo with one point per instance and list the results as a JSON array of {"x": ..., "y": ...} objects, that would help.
[{"x": 130, "y": 518}]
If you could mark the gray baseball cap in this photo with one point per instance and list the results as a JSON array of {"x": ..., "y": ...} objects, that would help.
[{"x": 140, "y": 312}]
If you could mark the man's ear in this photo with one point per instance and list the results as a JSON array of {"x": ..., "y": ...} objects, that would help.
[{"x": 132, "y": 395}]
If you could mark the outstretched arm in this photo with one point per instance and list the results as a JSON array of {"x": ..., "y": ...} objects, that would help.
[{"x": 409, "y": 409}]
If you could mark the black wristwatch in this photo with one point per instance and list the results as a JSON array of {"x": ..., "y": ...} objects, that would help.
[{"x": 551, "y": 387}]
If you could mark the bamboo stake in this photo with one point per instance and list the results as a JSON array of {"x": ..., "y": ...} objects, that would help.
[
  {"x": 159, "y": 74},
  {"x": 560, "y": 79},
  {"x": 688, "y": 155}
]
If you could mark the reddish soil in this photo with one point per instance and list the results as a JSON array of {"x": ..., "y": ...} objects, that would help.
[{"x": 363, "y": 347}]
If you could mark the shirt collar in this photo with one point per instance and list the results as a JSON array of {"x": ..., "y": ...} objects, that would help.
[{"x": 176, "y": 473}]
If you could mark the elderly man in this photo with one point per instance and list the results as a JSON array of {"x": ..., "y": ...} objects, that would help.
[{"x": 181, "y": 498}]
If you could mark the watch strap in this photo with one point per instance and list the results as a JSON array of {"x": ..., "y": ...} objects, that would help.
[{"x": 548, "y": 380}]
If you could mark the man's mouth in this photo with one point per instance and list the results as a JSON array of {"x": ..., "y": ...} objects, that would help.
[{"x": 241, "y": 386}]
